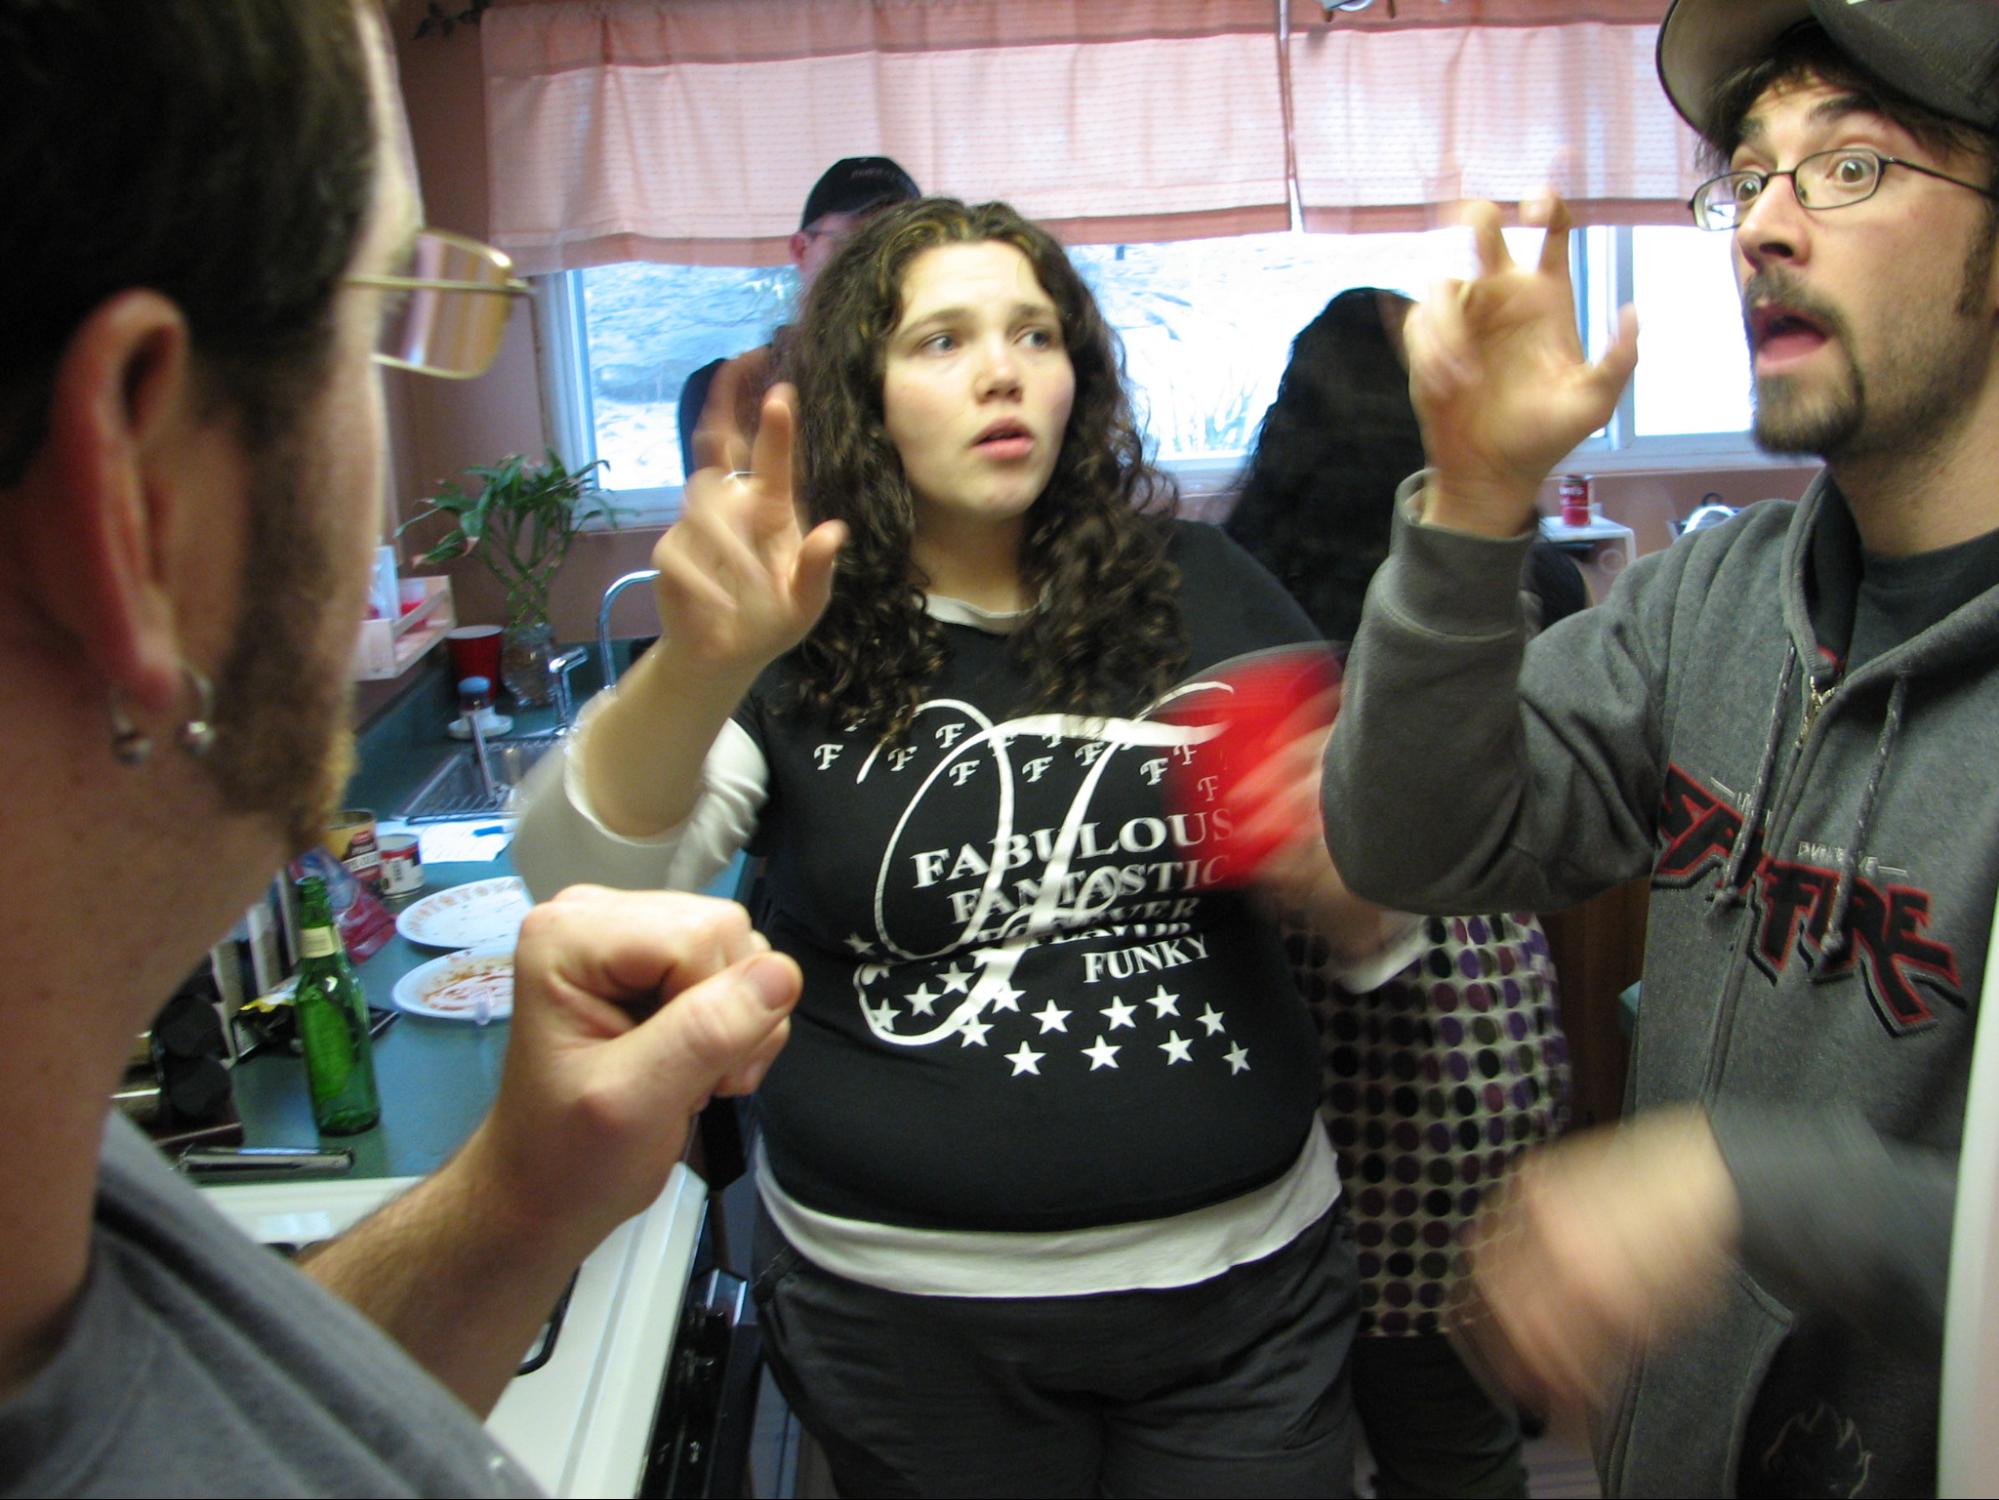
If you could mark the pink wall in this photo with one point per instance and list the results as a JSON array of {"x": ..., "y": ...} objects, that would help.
[{"x": 439, "y": 427}]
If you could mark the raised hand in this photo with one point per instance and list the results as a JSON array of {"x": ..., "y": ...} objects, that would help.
[
  {"x": 740, "y": 581},
  {"x": 1500, "y": 382}
]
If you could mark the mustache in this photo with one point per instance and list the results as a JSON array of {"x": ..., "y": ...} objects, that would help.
[{"x": 1783, "y": 288}]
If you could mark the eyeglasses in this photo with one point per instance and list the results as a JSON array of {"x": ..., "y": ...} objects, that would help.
[
  {"x": 459, "y": 294},
  {"x": 1823, "y": 180}
]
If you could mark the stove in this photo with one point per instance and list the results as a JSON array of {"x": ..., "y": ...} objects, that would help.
[{"x": 592, "y": 1411}]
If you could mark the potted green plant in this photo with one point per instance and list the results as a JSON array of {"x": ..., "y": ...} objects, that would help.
[{"x": 520, "y": 521}]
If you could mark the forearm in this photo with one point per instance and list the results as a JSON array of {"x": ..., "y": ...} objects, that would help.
[
  {"x": 1472, "y": 773},
  {"x": 642, "y": 757},
  {"x": 457, "y": 1274}
]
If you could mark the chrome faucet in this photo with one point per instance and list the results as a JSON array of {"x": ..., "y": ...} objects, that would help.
[
  {"x": 559, "y": 669},
  {"x": 618, "y": 586}
]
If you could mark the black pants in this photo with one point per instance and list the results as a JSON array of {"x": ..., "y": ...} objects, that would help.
[
  {"x": 1236, "y": 1386},
  {"x": 1430, "y": 1427}
]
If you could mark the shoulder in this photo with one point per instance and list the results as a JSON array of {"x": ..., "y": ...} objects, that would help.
[{"x": 1229, "y": 601}]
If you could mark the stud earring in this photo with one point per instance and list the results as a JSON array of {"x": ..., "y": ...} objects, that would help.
[{"x": 196, "y": 736}]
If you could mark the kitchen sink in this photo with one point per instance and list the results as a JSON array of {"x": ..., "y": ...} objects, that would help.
[{"x": 456, "y": 790}]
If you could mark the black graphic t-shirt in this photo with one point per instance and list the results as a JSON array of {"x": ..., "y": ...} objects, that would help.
[{"x": 1023, "y": 1009}]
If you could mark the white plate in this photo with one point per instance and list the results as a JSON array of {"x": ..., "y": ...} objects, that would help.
[
  {"x": 465, "y": 916},
  {"x": 454, "y": 987}
]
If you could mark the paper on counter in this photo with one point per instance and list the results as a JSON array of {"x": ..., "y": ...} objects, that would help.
[{"x": 466, "y": 841}]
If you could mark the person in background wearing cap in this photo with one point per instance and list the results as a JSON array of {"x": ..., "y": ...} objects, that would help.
[
  {"x": 208, "y": 228},
  {"x": 1777, "y": 720},
  {"x": 843, "y": 198}
]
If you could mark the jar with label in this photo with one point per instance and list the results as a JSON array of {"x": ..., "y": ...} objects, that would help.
[{"x": 332, "y": 1014}]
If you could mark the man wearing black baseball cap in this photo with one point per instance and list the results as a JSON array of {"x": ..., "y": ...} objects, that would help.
[
  {"x": 845, "y": 195},
  {"x": 1772, "y": 720}
]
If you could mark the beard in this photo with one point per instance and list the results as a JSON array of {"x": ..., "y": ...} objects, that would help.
[
  {"x": 283, "y": 748},
  {"x": 1919, "y": 383}
]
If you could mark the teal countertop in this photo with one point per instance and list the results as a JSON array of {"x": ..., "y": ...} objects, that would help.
[{"x": 436, "y": 1078}]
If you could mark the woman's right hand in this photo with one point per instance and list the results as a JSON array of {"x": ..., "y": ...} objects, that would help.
[{"x": 739, "y": 582}]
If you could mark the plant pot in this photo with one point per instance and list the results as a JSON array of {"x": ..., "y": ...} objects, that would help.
[{"x": 525, "y": 652}]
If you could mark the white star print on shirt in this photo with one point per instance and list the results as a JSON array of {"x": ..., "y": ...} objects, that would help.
[
  {"x": 1238, "y": 1059},
  {"x": 1175, "y": 1049},
  {"x": 1052, "y": 1019},
  {"x": 975, "y": 1033},
  {"x": 858, "y": 943},
  {"x": 1164, "y": 1002},
  {"x": 1026, "y": 1060},
  {"x": 1119, "y": 1014},
  {"x": 883, "y": 1016},
  {"x": 1102, "y": 1055},
  {"x": 955, "y": 980},
  {"x": 920, "y": 1000},
  {"x": 1005, "y": 998},
  {"x": 1210, "y": 1019}
]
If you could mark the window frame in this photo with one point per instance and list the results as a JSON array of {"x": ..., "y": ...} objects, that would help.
[{"x": 1601, "y": 266}]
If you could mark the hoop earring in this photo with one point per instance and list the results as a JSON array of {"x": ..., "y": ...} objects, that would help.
[{"x": 196, "y": 736}]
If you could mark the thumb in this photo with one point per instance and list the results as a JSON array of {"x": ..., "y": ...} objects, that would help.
[{"x": 712, "y": 1030}]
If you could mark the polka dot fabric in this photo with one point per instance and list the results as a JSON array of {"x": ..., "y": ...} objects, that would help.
[{"x": 1433, "y": 1085}]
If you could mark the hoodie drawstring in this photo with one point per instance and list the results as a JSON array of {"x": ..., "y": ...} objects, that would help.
[
  {"x": 1734, "y": 873},
  {"x": 1834, "y": 942}
]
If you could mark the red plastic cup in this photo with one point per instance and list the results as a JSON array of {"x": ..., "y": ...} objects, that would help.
[
  {"x": 475, "y": 652},
  {"x": 1256, "y": 711}
]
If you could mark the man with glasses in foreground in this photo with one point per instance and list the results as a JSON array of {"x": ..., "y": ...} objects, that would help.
[
  {"x": 1777, "y": 721},
  {"x": 208, "y": 230}
]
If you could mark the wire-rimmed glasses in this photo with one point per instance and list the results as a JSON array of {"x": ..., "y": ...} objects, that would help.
[
  {"x": 1824, "y": 180},
  {"x": 457, "y": 297}
]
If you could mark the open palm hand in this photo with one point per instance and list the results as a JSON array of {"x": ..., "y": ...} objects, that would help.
[{"x": 1500, "y": 382}]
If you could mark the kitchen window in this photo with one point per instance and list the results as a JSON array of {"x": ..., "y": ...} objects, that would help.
[{"x": 1207, "y": 326}]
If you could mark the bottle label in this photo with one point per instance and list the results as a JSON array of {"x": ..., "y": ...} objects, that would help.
[{"x": 317, "y": 942}]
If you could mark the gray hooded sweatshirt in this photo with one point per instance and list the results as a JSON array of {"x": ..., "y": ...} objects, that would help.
[{"x": 1823, "y": 853}]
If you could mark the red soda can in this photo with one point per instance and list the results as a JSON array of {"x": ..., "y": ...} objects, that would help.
[{"x": 1574, "y": 492}]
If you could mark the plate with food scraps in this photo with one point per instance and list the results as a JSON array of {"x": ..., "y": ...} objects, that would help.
[
  {"x": 468, "y": 916},
  {"x": 475, "y": 985}
]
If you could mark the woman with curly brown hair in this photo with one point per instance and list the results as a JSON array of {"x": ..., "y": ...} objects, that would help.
[{"x": 1047, "y": 1208}]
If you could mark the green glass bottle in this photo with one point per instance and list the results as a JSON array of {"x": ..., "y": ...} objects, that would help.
[{"x": 332, "y": 1021}]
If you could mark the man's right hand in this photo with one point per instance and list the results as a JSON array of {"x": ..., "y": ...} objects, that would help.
[
  {"x": 740, "y": 581},
  {"x": 1501, "y": 386}
]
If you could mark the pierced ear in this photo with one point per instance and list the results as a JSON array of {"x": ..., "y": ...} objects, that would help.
[{"x": 97, "y": 540}]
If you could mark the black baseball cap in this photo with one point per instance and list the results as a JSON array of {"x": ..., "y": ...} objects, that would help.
[
  {"x": 855, "y": 184},
  {"x": 1943, "y": 54}
]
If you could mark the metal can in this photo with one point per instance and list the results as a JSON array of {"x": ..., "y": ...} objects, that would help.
[
  {"x": 1574, "y": 493},
  {"x": 350, "y": 838},
  {"x": 402, "y": 864}
]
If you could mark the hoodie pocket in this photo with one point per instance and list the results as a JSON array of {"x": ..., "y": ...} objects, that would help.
[{"x": 1685, "y": 1404}]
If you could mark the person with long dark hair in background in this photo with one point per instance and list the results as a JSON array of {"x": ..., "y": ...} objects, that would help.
[
  {"x": 1443, "y": 1056},
  {"x": 1047, "y": 1206}
]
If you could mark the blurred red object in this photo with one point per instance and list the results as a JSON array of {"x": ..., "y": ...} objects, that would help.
[
  {"x": 364, "y": 923},
  {"x": 1256, "y": 705}
]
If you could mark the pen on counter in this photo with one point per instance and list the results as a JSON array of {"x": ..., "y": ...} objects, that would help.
[{"x": 264, "y": 1161}]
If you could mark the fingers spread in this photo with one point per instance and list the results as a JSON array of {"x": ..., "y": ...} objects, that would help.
[
  {"x": 1493, "y": 256},
  {"x": 1555, "y": 242}
]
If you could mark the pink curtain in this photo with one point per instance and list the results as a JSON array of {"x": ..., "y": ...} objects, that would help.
[
  {"x": 1397, "y": 117},
  {"x": 692, "y": 130}
]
